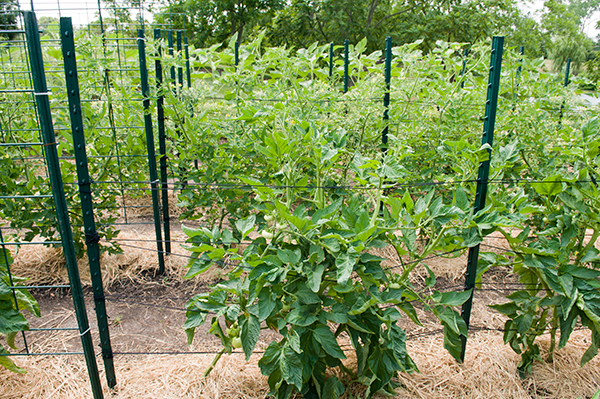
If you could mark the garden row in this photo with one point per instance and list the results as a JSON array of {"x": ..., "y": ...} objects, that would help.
[{"x": 277, "y": 143}]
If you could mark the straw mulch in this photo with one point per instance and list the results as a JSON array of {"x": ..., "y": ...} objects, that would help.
[
  {"x": 490, "y": 371},
  {"x": 137, "y": 264}
]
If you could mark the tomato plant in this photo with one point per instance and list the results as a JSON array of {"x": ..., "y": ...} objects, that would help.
[{"x": 12, "y": 303}]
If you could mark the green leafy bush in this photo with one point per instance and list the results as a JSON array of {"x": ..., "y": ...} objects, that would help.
[{"x": 12, "y": 303}]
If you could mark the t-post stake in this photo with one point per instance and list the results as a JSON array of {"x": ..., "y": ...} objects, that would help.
[
  {"x": 150, "y": 146},
  {"x": 489, "y": 121},
  {"x": 464, "y": 68},
  {"x": 346, "y": 66},
  {"x": 565, "y": 84},
  {"x": 85, "y": 194},
  {"x": 62, "y": 212},
  {"x": 386, "y": 95},
  {"x": 162, "y": 144},
  {"x": 330, "y": 61}
]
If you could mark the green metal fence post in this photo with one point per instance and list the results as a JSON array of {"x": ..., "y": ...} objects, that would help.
[
  {"x": 171, "y": 53},
  {"x": 60, "y": 203},
  {"x": 520, "y": 67},
  {"x": 162, "y": 145},
  {"x": 565, "y": 84},
  {"x": 188, "y": 71},
  {"x": 346, "y": 65},
  {"x": 189, "y": 80},
  {"x": 464, "y": 68},
  {"x": 517, "y": 78},
  {"x": 236, "y": 55},
  {"x": 87, "y": 206},
  {"x": 150, "y": 145},
  {"x": 491, "y": 105},
  {"x": 180, "y": 50},
  {"x": 330, "y": 60},
  {"x": 567, "y": 72},
  {"x": 386, "y": 96}
]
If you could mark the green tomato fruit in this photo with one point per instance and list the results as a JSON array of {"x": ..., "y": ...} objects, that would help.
[
  {"x": 286, "y": 307},
  {"x": 236, "y": 342},
  {"x": 394, "y": 286},
  {"x": 233, "y": 331},
  {"x": 267, "y": 234},
  {"x": 269, "y": 218}
]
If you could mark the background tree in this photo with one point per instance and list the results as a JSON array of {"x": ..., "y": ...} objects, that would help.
[
  {"x": 306, "y": 21},
  {"x": 565, "y": 22},
  {"x": 46, "y": 23},
  {"x": 8, "y": 17},
  {"x": 214, "y": 21}
]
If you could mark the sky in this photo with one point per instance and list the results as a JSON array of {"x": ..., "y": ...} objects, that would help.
[{"x": 81, "y": 11}]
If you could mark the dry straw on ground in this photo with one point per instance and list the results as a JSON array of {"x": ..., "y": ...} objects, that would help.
[{"x": 490, "y": 371}]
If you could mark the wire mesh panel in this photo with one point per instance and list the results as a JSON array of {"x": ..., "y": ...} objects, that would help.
[
  {"x": 49, "y": 186},
  {"x": 275, "y": 160}
]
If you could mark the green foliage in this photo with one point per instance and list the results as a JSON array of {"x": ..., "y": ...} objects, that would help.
[
  {"x": 300, "y": 243},
  {"x": 215, "y": 21},
  {"x": 12, "y": 303},
  {"x": 565, "y": 22},
  {"x": 8, "y": 18},
  {"x": 553, "y": 256},
  {"x": 299, "y": 23},
  {"x": 292, "y": 190},
  {"x": 574, "y": 47}
]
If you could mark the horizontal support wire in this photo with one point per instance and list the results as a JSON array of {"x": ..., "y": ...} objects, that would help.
[
  {"x": 43, "y": 354},
  {"x": 225, "y": 263},
  {"x": 20, "y": 144},
  {"x": 38, "y": 287},
  {"x": 31, "y": 243},
  {"x": 400, "y": 186},
  {"x": 24, "y": 196}
]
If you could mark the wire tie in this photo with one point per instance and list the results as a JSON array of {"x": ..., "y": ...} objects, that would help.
[
  {"x": 47, "y": 144},
  {"x": 85, "y": 332},
  {"x": 42, "y": 94}
]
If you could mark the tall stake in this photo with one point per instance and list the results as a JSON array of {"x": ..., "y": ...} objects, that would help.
[
  {"x": 567, "y": 72},
  {"x": 491, "y": 105},
  {"x": 518, "y": 77},
  {"x": 87, "y": 205},
  {"x": 346, "y": 65},
  {"x": 188, "y": 71},
  {"x": 330, "y": 60},
  {"x": 162, "y": 145},
  {"x": 386, "y": 96},
  {"x": 180, "y": 50},
  {"x": 62, "y": 213},
  {"x": 236, "y": 55},
  {"x": 565, "y": 84},
  {"x": 151, "y": 152},
  {"x": 464, "y": 68}
]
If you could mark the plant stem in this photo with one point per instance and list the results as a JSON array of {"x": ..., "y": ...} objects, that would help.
[
  {"x": 346, "y": 370},
  {"x": 213, "y": 363},
  {"x": 428, "y": 250},
  {"x": 553, "y": 334},
  {"x": 590, "y": 244}
]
